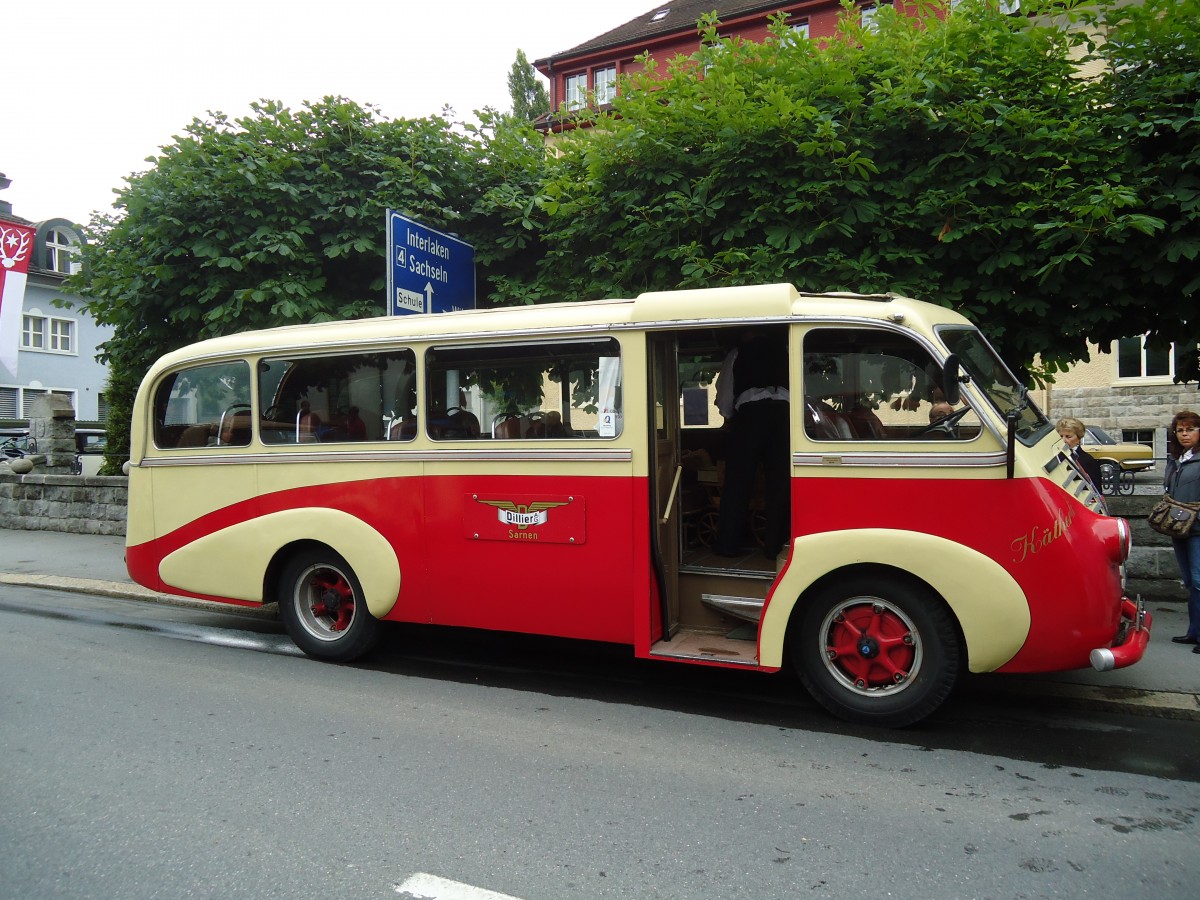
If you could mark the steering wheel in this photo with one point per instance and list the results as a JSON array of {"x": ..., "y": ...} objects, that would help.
[{"x": 946, "y": 423}]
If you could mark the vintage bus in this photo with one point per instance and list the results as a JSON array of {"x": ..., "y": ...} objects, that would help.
[{"x": 558, "y": 470}]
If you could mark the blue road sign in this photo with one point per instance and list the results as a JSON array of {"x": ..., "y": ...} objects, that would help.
[{"x": 429, "y": 271}]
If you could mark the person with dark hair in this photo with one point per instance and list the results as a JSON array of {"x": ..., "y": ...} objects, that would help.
[
  {"x": 752, "y": 395},
  {"x": 1182, "y": 482}
]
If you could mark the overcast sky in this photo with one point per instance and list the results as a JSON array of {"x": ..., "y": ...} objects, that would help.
[{"x": 94, "y": 87}]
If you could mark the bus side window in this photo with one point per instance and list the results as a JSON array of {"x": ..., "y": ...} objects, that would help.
[
  {"x": 524, "y": 391},
  {"x": 873, "y": 385},
  {"x": 334, "y": 399},
  {"x": 199, "y": 407}
]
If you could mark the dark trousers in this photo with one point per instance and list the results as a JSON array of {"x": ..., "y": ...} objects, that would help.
[{"x": 758, "y": 434}]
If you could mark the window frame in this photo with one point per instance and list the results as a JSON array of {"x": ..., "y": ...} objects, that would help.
[
  {"x": 62, "y": 251},
  {"x": 575, "y": 90},
  {"x": 1141, "y": 378},
  {"x": 606, "y": 91},
  {"x": 49, "y": 330},
  {"x": 515, "y": 413}
]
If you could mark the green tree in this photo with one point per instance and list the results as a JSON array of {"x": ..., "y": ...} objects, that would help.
[
  {"x": 529, "y": 96},
  {"x": 960, "y": 159},
  {"x": 270, "y": 219}
]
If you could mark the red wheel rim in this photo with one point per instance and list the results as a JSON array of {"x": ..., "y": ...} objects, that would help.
[{"x": 870, "y": 646}]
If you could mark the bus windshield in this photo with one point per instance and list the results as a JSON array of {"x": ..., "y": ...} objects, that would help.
[{"x": 1004, "y": 392}]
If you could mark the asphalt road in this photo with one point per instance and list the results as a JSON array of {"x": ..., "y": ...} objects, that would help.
[{"x": 156, "y": 751}]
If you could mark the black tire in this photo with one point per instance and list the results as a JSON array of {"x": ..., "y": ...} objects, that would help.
[
  {"x": 322, "y": 607},
  {"x": 876, "y": 650}
]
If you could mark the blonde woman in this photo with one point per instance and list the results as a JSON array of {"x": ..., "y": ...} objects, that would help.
[{"x": 1070, "y": 430}]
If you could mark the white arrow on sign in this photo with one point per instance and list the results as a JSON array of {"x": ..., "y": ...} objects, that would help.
[{"x": 428, "y": 295}]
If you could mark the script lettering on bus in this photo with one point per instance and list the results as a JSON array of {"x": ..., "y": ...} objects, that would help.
[{"x": 1041, "y": 537}]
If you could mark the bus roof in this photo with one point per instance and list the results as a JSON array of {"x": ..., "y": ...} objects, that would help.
[{"x": 698, "y": 308}]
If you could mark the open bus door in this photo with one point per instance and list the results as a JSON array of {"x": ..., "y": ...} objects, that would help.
[{"x": 665, "y": 478}]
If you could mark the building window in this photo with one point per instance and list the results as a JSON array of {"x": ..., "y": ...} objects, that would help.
[
  {"x": 62, "y": 333},
  {"x": 10, "y": 403},
  {"x": 576, "y": 90},
  {"x": 62, "y": 248},
  {"x": 17, "y": 402},
  {"x": 1135, "y": 360},
  {"x": 660, "y": 15},
  {"x": 1138, "y": 436},
  {"x": 868, "y": 14},
  {"x": 33, "y": 333},
  {"x": 47, "y": 333},
  {"x": 798, "y": 31},
  {"x": 605, "y": 85},
  {"x": 101, "y": 407}
]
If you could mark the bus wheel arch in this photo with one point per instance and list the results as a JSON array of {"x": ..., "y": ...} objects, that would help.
[
  {"x": 322, "y": 603},
  {"x": 875, "y": 645}
]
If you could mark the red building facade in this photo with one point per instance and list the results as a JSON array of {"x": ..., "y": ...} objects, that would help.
[{"x": 587, "y": 74}]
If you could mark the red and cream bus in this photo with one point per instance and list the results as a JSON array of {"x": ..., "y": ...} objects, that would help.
[{"x": 558, "y": 470}]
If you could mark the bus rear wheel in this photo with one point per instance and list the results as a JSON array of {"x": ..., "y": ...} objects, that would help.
[
  {"x": 875, "y": 652},
  {"x": 323, "y": 609}
]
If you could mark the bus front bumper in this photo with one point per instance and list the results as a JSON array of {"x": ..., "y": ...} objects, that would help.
[{"x": 1134, "y": 635}]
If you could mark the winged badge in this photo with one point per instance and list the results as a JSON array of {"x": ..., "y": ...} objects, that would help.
[{"x": 523, "y": 516}]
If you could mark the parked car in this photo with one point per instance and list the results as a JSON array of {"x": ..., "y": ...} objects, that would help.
[
  {"x": 1116, "y": 456},
  {"x": 89, "y": 450}
]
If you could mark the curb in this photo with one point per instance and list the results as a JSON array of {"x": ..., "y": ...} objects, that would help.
[
  {"x": 130, "y": 591},
  {"x": 1178, "y": 705}
]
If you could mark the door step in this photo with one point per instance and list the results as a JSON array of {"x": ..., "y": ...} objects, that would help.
[
  {"x": 698, "y": 646},
  {"x": 748, "y": 609}
]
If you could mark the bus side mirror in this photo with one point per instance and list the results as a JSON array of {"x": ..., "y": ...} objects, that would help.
[{"x": 950, "y": 380}]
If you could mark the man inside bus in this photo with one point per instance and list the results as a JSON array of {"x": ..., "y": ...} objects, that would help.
[{"x": 752, "y": 395}]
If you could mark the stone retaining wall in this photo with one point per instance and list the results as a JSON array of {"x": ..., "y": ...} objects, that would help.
[
  {"x": 1151, "y": 567},
  {"x": 63, "y": 502}
]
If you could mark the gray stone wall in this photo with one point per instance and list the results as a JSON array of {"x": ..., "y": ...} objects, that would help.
[
  {"x": 1117, "y": 407},
  {"x": 63, "y": 502},
  {"x": 1151, "y": 568}
]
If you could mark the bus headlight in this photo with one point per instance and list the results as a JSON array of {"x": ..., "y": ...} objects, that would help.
[{"x": 1116, "y": 537}]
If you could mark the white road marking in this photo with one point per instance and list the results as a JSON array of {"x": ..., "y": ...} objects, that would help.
[{"x": 423, "y": 886}]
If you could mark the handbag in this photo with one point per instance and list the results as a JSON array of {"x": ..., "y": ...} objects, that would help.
[{"x": 1174, "y": 518}]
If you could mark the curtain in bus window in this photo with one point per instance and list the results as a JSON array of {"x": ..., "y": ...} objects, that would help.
[
  {"x": 338, "y": 398},
  {"x": 204, "y": 406},
  {"x": 525, "y": 390}
]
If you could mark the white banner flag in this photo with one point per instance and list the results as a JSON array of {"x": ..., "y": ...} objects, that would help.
[{"x": 16, "y": 248}]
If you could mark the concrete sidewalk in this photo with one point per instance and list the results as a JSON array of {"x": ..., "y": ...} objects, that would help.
[{"x": 1165, "y": 683}]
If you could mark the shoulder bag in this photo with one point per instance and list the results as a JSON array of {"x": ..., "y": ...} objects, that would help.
[{"x": 1174, "y": 518}]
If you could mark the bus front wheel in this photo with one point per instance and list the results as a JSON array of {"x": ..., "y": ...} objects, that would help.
[
  {"x": 876, "y": 652},
  {"x": 323, "y": 609}
]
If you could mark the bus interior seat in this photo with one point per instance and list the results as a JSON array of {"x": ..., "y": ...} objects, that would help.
[
  {"x": 823, "y": 422},
  {"x": 237, "y": 431},
  {"x": 507, "y": 425},
  {"x": 404, "y": 430},
  {"x": 866, "y": 424},
  {"x": 195, "y": 436}
]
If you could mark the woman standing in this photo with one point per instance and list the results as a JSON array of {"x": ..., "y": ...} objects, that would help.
[
  {"x": 1071, "y": 431},
  {"x": 1182, "y": 482}
]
